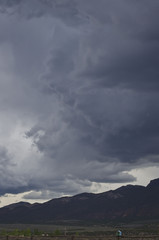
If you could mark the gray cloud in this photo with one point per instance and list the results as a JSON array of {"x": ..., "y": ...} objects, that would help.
[
  {"x": 66, "y": 10},
  {"x": 8, "y": 181},
  {"x": 85, "y": 86}
]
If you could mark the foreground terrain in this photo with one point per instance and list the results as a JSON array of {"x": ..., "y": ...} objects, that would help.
[{"x": 138, "y": 230}]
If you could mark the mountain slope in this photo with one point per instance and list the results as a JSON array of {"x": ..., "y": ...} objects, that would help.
[{"x": 125, "y": 203}]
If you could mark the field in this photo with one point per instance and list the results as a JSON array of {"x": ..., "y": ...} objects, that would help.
[{"x": 136, "y": 231}]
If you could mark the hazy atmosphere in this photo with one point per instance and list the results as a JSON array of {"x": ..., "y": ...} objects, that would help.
[{"x": 79, "y": 96}]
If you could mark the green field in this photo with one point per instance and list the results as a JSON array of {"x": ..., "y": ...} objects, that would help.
[{"x": 132, "y": 230}]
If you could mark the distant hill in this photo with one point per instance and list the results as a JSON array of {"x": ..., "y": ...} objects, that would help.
[{"x": 127, "y": 203}]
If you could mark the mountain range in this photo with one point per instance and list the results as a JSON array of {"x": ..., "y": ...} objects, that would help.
[{"x": 127, "y": 203}]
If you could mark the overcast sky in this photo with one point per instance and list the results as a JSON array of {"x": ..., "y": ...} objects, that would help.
[{"x": 79, "y": 96}]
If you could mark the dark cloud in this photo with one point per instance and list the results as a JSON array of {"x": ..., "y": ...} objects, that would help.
[
  {"x": 66, "y": 10},
  {"x": 8, "y": 181},
  {"x": 88, "y": 78}
]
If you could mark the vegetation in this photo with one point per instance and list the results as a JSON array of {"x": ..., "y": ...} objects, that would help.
[{"x": 135, "y": 229}]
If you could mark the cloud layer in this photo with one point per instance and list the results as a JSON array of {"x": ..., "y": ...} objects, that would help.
[{"x": 78, "y": 94}]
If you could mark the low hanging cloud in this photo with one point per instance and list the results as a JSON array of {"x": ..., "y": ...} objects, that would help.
[{"x": 87, "y": 77}]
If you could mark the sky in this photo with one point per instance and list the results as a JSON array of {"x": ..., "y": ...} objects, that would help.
[{"x": 79, "y": 93}]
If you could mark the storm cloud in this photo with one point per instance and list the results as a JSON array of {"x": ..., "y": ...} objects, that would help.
[{"x": 78, "y": 94}]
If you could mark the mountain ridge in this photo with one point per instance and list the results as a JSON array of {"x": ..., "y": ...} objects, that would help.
[{"x": 127, "y": 203}]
